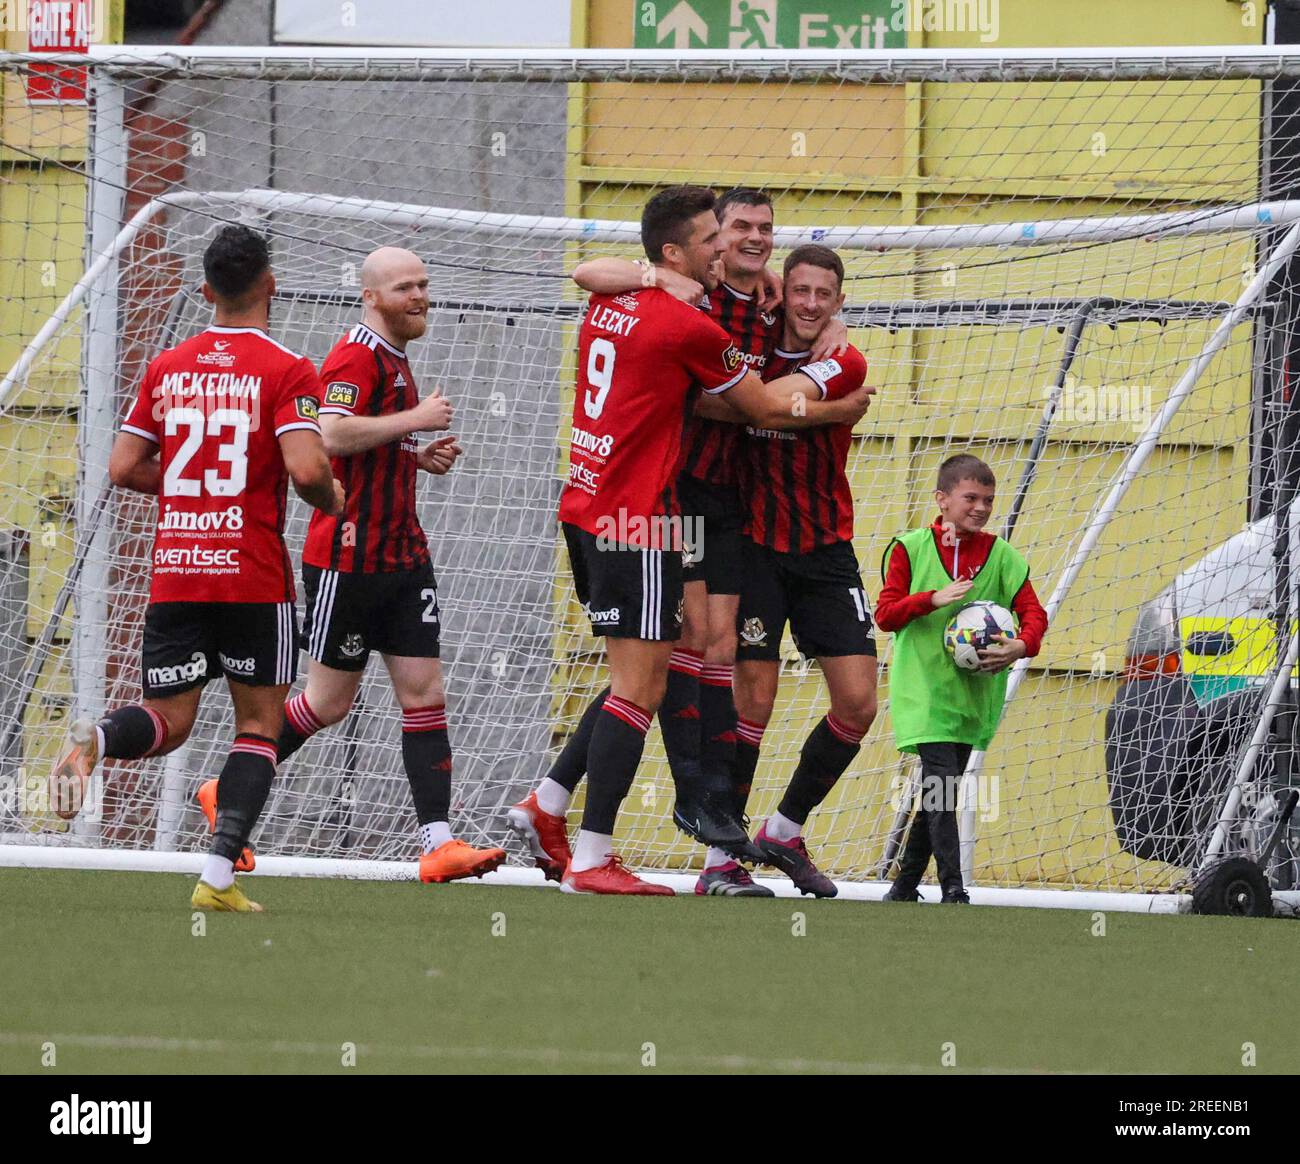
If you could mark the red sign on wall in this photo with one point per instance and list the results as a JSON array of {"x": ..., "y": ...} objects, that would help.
[{"x": 59, "y": 26}]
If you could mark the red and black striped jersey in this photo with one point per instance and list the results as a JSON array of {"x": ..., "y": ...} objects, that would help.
[
  {"x": 379, "y": 530},
  {"x": 798, "y": 490},
  {"x": 710, "y": 448}
]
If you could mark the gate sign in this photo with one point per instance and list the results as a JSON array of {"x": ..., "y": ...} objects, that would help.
[{"x": 59, "y": 26}]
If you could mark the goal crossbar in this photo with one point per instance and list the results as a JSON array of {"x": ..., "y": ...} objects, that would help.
[{"x": 864, "y": 238}]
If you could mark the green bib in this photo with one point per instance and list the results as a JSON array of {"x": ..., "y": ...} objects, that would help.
[{"x": 931, "y": 699}]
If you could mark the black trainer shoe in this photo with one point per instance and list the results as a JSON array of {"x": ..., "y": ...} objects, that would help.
[
  {"x": 955, "y": 897},
  {"x": 901, "y": 893},
  {"x": 730, "y": 881},
  {"x": 791, "y": 857},
  {"x": 712, "y": 821}
]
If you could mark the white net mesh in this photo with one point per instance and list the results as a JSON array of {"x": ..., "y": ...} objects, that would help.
[{"x": 497, "y": 182}]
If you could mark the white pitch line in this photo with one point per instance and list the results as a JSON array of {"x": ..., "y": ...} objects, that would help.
[{"x": 554, "y": 1056}]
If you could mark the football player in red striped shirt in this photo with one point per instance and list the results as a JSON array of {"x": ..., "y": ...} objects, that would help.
[
  {"x": 698, "y": 713},
  {"x": 367, "y": 573},
  {"x": 643, "y": 356},
  {"x": 221, "y": 423},
  {"x": 800, "y": 568}
]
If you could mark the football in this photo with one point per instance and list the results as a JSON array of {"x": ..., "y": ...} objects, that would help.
[{"x": 971, "y": 630}]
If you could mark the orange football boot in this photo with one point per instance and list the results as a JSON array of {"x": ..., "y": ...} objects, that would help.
[
  {"x": 545, "y": 835},
  {"x": 207, "y": 798},
  {"x": 612, "y": 877},
  {"x": 71, "y": 771},
  {"x": 455, "y": 859}
]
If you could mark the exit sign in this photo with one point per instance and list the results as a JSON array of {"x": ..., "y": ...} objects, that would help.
[{"x": 770, "y": 24}]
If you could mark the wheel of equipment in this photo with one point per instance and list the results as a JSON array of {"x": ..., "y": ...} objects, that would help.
[{"x": 1235, "y": 887}]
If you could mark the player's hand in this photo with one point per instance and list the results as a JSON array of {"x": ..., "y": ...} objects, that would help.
[
  {"x": 852, "y": 408},
  {"x": 1002, "y": 654},
  {"x": 771, "y": 291},
  {"x": 438, "y": 456},
  {"x": 679, "y": 286},
  {"x": 432, "y": 414},
  {"x": 951, "y": 592},
  {"x": 340, "y": 499},
  {"x": 833, "y": 341}
]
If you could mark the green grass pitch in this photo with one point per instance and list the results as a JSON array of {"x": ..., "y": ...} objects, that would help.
[{"x": 108, "y": 968}]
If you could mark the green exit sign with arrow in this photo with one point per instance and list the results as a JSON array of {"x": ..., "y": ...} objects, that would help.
[{"x": 770, "y": 24}]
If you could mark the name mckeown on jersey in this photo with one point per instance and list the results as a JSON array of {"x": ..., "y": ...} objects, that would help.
[
  {"x": 213, "y": 404},
  {"x": 642, "y": 356}
]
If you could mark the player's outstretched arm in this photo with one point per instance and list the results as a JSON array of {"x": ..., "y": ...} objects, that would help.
[
  {"x": 133, "y": 464},
  {"x": 309, "y": 470},
  {"x": 792, "y": 402},
  {"x": 611, "y": 276},
  {"x": 347, "y": 435}
]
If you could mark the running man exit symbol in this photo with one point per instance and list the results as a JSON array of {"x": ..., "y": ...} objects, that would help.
[{"x": 753, "y": 24}]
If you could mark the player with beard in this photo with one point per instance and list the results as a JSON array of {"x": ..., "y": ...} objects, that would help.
[
  {"x": 698, "y": 714},
  {"x": 367, "y": 572},
  {"x": 643, "y": 356}
]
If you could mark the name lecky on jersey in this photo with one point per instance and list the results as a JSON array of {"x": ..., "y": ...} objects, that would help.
[
  {"x": 195, "y": 557},
  {"x": 607, "y": 319},
  {"x": 228, "y": 520},
  {"x": 196, "y": 668},
  {"x": 589, "y": 442}
]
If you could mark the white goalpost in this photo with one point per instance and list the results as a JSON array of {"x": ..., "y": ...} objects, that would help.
[{"x": 1104, "y": 321}]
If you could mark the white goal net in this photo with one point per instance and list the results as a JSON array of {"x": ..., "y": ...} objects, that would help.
[{"x": 1077, "y": 268}]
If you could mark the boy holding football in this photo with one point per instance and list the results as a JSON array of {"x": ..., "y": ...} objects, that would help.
[{"x": 940, "y": 712}]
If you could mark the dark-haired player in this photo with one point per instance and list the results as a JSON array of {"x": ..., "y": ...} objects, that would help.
[
  {"x": 642, "y": 356},
  {"x": 801, "y": 570},
  {"x": 221, "y": 423},
  {"x": 698, "y": 714},
  {"x": 367, "y": 573}
]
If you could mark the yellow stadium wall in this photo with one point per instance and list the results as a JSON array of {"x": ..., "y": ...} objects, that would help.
[
  {"x": 42, "y": 239},
  {"x": 867, "y": 162}
]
